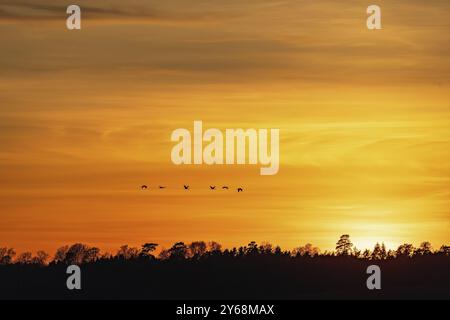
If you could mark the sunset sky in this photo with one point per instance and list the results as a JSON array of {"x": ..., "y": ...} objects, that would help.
[{"x": 86, "y": 118}]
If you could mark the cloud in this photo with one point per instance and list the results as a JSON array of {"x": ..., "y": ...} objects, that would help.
[
  {"x": 138, "y": 11},
  {"x": 199, "y": 41}
]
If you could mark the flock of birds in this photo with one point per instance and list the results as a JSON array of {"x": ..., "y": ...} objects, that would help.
[{"x": 186, "y": 187}]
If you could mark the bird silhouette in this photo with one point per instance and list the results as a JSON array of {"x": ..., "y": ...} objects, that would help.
[
  {"x": 161, "y": 187},
  {"x": 144, "y": 187},
  {"x": 212, "y": 187},
  {"x": 186, "y": 187},
  {"x": 225, "y": 187},
  {"x": 239, "y": 190}
]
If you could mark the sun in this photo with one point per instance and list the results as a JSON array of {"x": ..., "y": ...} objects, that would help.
[{"x": 363, "y": 243}]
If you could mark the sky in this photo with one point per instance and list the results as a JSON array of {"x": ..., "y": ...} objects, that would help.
[{"x": 86, "y": 118}]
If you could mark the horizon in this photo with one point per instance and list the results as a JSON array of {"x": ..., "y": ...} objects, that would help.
[{"x": 159, "y": 247}]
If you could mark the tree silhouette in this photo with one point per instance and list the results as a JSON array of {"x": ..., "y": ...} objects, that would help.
[
  {"x": 214, "y": 246},
  {"x": 306, "y": 250},
  {"x": 60, "y": 255},
  {"x": 265, "y": 248},
  {"x": 424, "y": 248},
  {"x": 391, "y": 254},
  {"x": 178, "y": 251},
  {"x": 405, "y": 250},
  {"x": 41, "y": 257},
  {"x": 445, "y": 250},
  {"x": 127, "y": 253},
  {"x": 25, "y": 258},
  {"x": 344, "y": 246},
  {"x": 164, "y": 254},
  {"x": 252, "y": 248},
  {"x": 203, "y": 270},
  {"x": 356, "y": 252},
  {"x": 78, "y": 253},
  {"x": 197, "y": 249},
  {"x": 366, "y": 254},
  {"x": 379, "y": 252},
  {"x": 7, "y": 255},
  {"x": 147, "y": 249},
  {"x": 383, "y": 252}
]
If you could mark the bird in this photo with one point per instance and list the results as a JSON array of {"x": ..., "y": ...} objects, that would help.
[
  {"x": 161, "y": 187},
  {"x": 212, "y": 187},
  {"x": 144, "y": 187},
  {"x": 239, "y": 190},
  {"x": 186, "y": 187},
  {"x": 225, "y": 187}
]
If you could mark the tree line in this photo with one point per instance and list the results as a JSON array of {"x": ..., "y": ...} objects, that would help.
[{"x": 79, "y": 253}]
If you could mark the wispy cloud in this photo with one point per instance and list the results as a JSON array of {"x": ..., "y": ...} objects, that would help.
[{"x": 138, "y": 11}]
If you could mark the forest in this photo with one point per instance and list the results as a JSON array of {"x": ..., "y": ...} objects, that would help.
[{"x": 204, "y": 270}]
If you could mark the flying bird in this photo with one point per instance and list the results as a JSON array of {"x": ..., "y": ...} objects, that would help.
[
  {"x": 186, "y": 187},
  {"x": 144, "y": 187},
  {"x": 225, "y": 187},
  {"x": 161, "y": 187},
  {"x": 239, "y": 190},
  {"x": 212, "y": 187}
]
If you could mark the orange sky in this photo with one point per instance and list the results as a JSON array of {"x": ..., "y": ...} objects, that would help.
[{"x": 86, "y": 118}]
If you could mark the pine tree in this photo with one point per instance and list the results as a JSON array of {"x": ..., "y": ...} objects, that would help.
[{"x": 344, "y": 246}]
